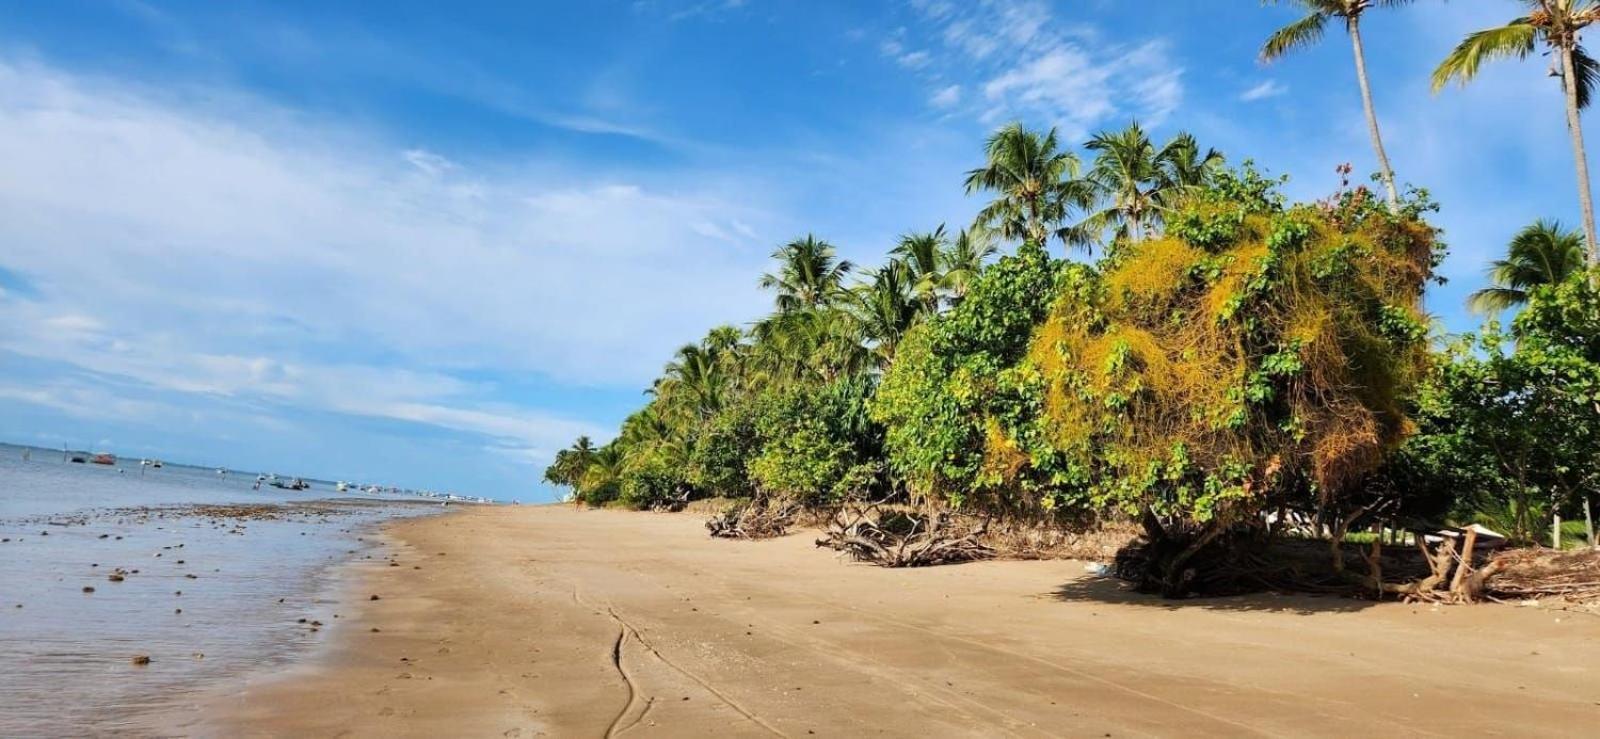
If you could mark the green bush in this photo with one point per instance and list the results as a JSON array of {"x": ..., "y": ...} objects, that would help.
[{"x": 951, "y": 374}]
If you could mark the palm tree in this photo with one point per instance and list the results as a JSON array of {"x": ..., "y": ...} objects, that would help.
[
  {"x": 600, "y": 479},
  {"x": 1140, "y": 181},
  {"x": 583, "y": 447},
  {"x": 1035, "y": 184},
  {"x": 1557, "y": 24},
  {"x": 1308, "y": 30},
  {"x": 569, "y": 464},
  {"x": 808, "y": 344},
  {"x": 1540, "y": 254},
  {"x": 963, "y": 261},
  {"x": 885, "y": 307},
  {"x": 1187, "y": 168},
  {"x": 921, "y": 255},
  {"x": 808, "y": 276},
  {"x": 696, "y": 378}
]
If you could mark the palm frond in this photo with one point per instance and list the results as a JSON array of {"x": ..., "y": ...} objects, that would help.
[
  {"x": 1588, "y": 72},
  {"x": 1543, "y": 253},
  {"x": 1491, "y": 300},
  {"x": 1514, "y": 40},
  {"x": 1299, "y": 34}
]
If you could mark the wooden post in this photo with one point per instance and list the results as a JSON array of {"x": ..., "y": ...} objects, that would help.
[
  {"x": 1555, "y": 532},
  {"x": 1588, "y": 522},
  {"x": 1466, "y": 561}
]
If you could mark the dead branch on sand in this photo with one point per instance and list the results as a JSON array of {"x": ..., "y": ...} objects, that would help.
[
  {"x": 905, "y": 538},
  {"x": 758, "y": 519}
]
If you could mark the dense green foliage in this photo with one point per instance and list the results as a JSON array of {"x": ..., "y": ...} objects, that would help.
[
  {"x": 1254, "y": 357},
  {"x": 1227, "y": 356},
  {"x": 952, "y": 375},
  {"x": 1511, "y": 420},
  {"x": 816, "y": 443}
]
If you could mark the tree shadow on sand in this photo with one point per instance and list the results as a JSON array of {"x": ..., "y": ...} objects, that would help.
[{"x": 1110, "y": 590}]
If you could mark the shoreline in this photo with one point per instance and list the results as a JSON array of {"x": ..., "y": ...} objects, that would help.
[{"x": 546, "y": 620}]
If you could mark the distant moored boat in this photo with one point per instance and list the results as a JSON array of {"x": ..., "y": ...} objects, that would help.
[{"x": 104, "y": 458}]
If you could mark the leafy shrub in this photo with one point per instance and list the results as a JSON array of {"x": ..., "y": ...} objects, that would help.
[
  {"x": 817, "y": 444},
  {"x": 951, "y": 374}
]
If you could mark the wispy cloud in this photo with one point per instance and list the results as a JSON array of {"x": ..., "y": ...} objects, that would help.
[
  {"x": 946, "y": 97},
  {"x": 914, "y": 59},
  {"x": 675, "y": 11},
  {"x": 427, "y": 161},
  {"x": 244, "y": 252},
  {"x": 1267, "y": 89},
  {"x": 1028, "y": 63}
]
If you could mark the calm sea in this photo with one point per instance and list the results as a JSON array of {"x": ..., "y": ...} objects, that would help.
[{"x": 215, "y": 579}]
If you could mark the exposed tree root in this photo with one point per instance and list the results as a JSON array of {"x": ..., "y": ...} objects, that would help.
[
  {"x": 1445, "y": 567},
  {"x": 758, "y": 519},
  {"x": 902, "y": 538}
]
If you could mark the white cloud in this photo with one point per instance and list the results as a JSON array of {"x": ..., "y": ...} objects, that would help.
[
  {"x": 946, "y": 97},
  {"x": 1064, "y": 80},
  {"x": 914, "y": 60},
  {"x": 241, "y": 250},
  {"x": 1267, "y": 89},
  {"x": 82, "y": 401},
  {"x": 430, "y": 163},
  {"x": 1032, "y": 65}
]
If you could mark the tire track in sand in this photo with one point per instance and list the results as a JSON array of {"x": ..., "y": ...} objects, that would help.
[{"x": 625, "y": 632}]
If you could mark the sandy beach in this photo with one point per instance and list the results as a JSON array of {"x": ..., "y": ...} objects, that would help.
[{"x": 530, "y": 621}]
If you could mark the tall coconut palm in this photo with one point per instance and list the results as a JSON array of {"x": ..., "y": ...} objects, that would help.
[
  {"x": 1556, "y": 24},
  {"x": 695, "y": 378},
  {"x": 963, "y": 261},
  {"x": 1308, "y": 30},
  {"x": 1035, "y": 184},
  {"x": 885, "y": 307},
  {"x": 723, "y": 339},
  {"x": 808, "y": 344},
  {"x": 1540, "y": 254},
  {"x": 921, "y": 255},
  {"x": 1187, "y": 168},
  {"x": 1139, "y": 182},
  {"x": 569, "y": 464},
  {"x": 600, "y": 480},
  {"x": 809, "y": 274}
]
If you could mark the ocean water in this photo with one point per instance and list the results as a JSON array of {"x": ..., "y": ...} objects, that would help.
[{"x": 217, "y": 580}]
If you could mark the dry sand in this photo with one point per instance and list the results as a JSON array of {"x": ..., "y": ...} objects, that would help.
[{"x": 551, "y": 621}]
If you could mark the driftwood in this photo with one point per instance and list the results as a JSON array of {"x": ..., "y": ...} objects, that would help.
[
  {"x": 903, "y": 538},
  {"x": 1546, "y": 573},
  {"x": 758, "y": 519}
]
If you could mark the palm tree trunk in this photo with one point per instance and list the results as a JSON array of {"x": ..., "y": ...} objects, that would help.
[
  {"x": 1575, "y": 127},
  {"x": 1384, "y": 170},
  {"x": 1135, "y": 227}
]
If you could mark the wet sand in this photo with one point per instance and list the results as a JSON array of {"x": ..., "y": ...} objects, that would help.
[
  {"x": 550, "y": 621},
  {"x": 114, "y": 618}
]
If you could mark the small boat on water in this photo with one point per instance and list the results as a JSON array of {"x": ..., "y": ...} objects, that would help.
[
  {"x": 341, "y": 486},
  {"x": 295, "y": 484},
  {"x": 104, "y": 458}
]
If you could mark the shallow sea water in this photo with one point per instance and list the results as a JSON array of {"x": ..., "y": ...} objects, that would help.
[{"x": 215, "y": 579}]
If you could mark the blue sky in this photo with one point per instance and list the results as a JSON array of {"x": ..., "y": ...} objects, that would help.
[{"x": 429, "y": 243}]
